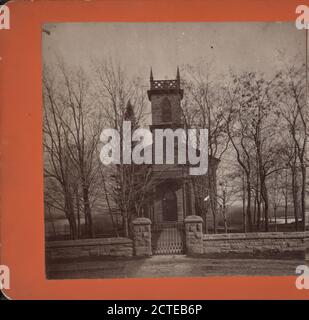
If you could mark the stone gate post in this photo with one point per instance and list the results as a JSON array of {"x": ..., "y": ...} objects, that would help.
[
  {"x": 194, "y": 235},
  {"x": 142, "y": 236}
]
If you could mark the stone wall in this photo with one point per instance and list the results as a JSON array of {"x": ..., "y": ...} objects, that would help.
[
  {"x": 270, "y": 244},
  {"x": 85, "y": 248}
]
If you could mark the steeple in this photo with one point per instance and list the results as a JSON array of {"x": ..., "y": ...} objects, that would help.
[
  {"x": 151, "y": 75},
  {"x": 178, "y": 76},
  {"x": 129, "y": 113}
]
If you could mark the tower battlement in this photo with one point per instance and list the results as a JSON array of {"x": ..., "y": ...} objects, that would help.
[{"x": 165, "y": 86}]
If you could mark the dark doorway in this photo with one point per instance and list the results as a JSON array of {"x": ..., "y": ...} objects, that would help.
[{"x": 169, "y": 204}]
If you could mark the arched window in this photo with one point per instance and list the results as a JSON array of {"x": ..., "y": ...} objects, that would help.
[{"x": 166, "y": 110}]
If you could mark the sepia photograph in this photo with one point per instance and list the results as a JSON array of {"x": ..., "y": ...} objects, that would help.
[{"x": 174, "y": 149}]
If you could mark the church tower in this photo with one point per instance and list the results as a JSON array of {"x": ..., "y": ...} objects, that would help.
[
  {"x": 172, "y": 196},
  {"x": 165, "y": 97}
]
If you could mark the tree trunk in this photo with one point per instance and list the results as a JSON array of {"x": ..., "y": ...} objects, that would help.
[
  {"x": 266, "y": 203},
  {"x": 126, "y": 226},
  {"x": 286, "y": 198},
  {"x": 244, "y": 204},
  {"x": 78, "y": 214},
  {"x": 213, "y": 199},
  {"x": 303, "y": 195},
  {"x": 258, "y": 209},
  {"x": 206, "y": 208},
  {"x": 286, "y": 209},
  {"x": 69, "y": 211},
  {"x": 295, "y": 197},
  {"x": 52, "y": 222},
  {"x": 115, "y": 225},
  {"x": 254, "y": 211},
  {"x": 249, "y": 204},
  {"x": 275, "y": 215},
  {"x": 224, "y": 212},
  {"x": 87, "y": 211}
]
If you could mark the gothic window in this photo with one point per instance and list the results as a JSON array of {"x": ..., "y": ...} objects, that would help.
[{"x": 166, "y": 111}]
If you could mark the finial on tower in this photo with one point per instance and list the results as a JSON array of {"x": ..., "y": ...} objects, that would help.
[{"x": 151, "y": 75}]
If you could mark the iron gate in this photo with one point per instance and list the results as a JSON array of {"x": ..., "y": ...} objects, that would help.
[{"x": 168, "y": 238}]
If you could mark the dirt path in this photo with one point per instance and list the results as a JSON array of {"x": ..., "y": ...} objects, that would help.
[{"x": 170, "y": 266}]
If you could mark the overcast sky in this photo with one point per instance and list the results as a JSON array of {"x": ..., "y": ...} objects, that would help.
[
  {"x": 240, "y": 46},
  {"x": 164, "y": 46}
]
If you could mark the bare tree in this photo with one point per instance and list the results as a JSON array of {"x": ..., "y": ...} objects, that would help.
[
  {"x": 253, "y": 130},
  {"x": 291, "y": 100},
  {"x": 58, "y": 190},
  {"x": 71, "y": 136},
  {"x": 203, "y": 108},
  {"x": 83, "y": 134}
]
